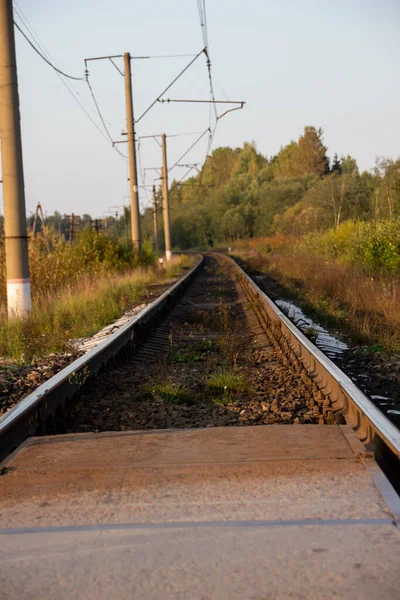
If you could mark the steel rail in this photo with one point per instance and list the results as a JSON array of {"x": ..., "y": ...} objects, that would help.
[
  {"x": 23, "y": 420},
  {"x": 339, "y": 394}
]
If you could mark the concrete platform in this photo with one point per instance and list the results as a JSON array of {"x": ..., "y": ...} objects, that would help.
[{"x": 292, "y": 511}]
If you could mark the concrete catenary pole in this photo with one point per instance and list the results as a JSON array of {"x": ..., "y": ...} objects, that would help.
[
  {"x": 16, "y": 239},
  {"x": 126, "y": 226},
  {"x": 167, "y": 232},
  {"x": 155, "y": 219},
  {"x": 72, "y": 230},
  {"x": 133, "y": 183}
]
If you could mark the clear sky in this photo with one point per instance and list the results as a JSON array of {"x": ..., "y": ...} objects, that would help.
[{"x": 333, "y": 64}]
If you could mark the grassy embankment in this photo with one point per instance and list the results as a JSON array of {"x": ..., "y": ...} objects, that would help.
[
  {"x": 349, "y": 276},
  {"x": 76, "y": 291}
]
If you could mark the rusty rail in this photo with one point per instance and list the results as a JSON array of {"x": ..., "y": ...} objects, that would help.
[
  {"x": 339, "y": 396},
  {"x": 24, "y": 419},
  {"x": 337, "y": 399}
]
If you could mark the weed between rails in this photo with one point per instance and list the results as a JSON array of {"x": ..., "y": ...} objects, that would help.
[
  {"x": 226, "y": 384},
  {"x": 189, "y": 375},
  {"x": 180, "y": 378},
  {"x": 174, "y": 393},
  {"x": 197, "y": 352}
]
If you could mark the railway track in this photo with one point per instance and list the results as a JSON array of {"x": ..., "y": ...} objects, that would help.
[
  {"x": 210, "y": 363},
  {"x": 205, "y": 450},
  {"x": 212, "y": 351}
]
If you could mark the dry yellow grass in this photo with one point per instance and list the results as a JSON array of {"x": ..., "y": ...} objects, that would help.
[
  {"x": 369, "y": 305},
  {"x": 78, "y": 310}
]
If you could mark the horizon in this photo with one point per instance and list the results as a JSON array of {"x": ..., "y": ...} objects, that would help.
[{"x": 331, "y": 67}]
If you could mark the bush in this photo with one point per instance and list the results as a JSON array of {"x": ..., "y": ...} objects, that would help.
[
  {"x": 264, "y": 245},
  {"x": 65, "y": 264},
  {"x": 378, "y": 246},
  {"x": 374, "y": 245}
]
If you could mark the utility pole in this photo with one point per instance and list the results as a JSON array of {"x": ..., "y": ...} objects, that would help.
[
  {"x": 155, "y": 219},
  {"x": 73, "y": 221},
  {"x": 35, "y": 221},
  {"x": 16, "y": 238},
  {"x": 71, "y": 237},
  {"x": 126, "y": 226},
  {"x": 164, "y": 175},
  {"x": 133, "y": 182},
  {"x": 130, "y": 126}
]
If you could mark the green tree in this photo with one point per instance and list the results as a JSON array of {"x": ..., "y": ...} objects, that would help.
[
  {"x": 336, "y": 166},
  {"x": 348, "y": 164},
  {"x": 248, "y": 162},
  {"x": 310, "y": 157},
  {"x": 340, "y": 197},
  {"x": 285, "y": 164},
  {"x": 387, "y": 172},
  {"x": 218, "y": 167}
]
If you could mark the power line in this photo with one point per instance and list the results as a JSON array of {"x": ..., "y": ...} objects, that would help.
[
  {"x": 102, "y": 119},
  {"x": 189, "y": 149},
  {"x": 72, "y": 91},
  {"x": 211, "y": 84},
  {"x": 180, "y": 181},
  {"x": 203, "y": 21},
  {"x": 213, "y": 122},
  {"x": 44, "y": 58},
  {"x": 168, "y": 100},
  {"x": 141, "y": 171},
  {"x": 201, "y": 5},
  {"x": 172, "y": 135},
  {"x": 195, "y": 165},
  {"x": 98, "y": 111},
  {"x": 172, "y": 56},
  {"x": 169, "y": 86}
]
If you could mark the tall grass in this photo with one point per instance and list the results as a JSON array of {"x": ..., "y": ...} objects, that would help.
[
  {"x": 65, "y": 264},
  {"x": 78, "y": 308},
  {"x": 350, "y": 274}
]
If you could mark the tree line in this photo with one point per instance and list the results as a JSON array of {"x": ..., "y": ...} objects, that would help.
[{"x": 240, "y": 193}]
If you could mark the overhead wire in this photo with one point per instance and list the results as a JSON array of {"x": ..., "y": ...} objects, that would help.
[
  {"x": 157, "y": 142},
  {"x": 44, "y": 58},
  {"x": 102, "y": 119},
  {"x": 203, "y": 20},
  {"x": 201, "y": 5},
  {"x": 182, "y": 178},
  {"x": 107, "y": 136},
  {"x": 66, "y": 84},
  {"x": 185, "y": 134},
  {"x": 60, "y": 74},
  {"x": 172, "y": 135},
  {"x": 189, "y": 149},
  {"x": 171, "y": 56},
  {"x": 169, "y": 86},
  {"x": 211, "y": 129},
  {"x": 141, "y": 171},
  {"x": 212, "y": 125}
]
